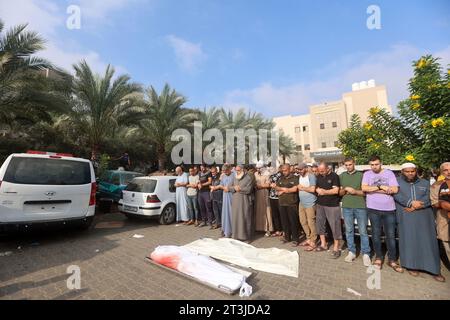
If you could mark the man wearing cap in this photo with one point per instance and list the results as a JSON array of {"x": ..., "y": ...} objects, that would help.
[
  {"x": 418, "y": 244},
  {"x": 263, "y": 216},
  {"x": 241, "y": 205}
]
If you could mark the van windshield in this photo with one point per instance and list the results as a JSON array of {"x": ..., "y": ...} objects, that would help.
[
  {"x": 142, "y": 185},
  {"x": 43, "y": 171}
]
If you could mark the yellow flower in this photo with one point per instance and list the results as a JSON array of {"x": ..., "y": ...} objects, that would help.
[
  {"x": 415, "y": 106},
  {"x": 369, "y": 140},
  {"x": 373, "y": 111},
  {"x": 415, "y": 97},
  {"x": 437, "y": 122},
  {"x": 422, "y": 63},
  {"x": 376, "y": 145},
  {"x": 368, "y": 126},
  {"x": 410, "y": 157}
]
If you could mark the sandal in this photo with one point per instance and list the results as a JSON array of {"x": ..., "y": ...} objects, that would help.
[
  {"x": 413, "y": 273},
  {"x": 304, "y": 244},
  {"x": 378, "y": 263},
  {"x": 396, "y": 267},
  {"x": 310, "y": 248},
  {"x": 439, "y": 278},
  {"x": 320, "y": 249},
  {"x": 275, "y": 234}
]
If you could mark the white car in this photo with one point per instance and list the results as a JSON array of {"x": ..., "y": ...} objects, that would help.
[
  {"x": 40, "y": 187},
  {"x": 150, "y": 197}
]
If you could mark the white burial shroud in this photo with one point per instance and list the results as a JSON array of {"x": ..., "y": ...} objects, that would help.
[
  {"x": 273, "y": 260},
  {"x": 201, "y": 267}
]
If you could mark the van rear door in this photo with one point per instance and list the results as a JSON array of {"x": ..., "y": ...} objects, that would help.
[{"x": 45, "y": 189}]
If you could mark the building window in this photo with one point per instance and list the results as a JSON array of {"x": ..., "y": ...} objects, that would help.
[
  {"x": 299, "y": 148},
  {"x": 307, "y": 147},
  {"x": 334, "y": 124},
  {"x": 305, "y": 128},
  {"x": 324, "y": 144},
  {"x": 297, "y": 129},
  {"x": 322, "y": 126},
  {"x": 336, "y": 144}
]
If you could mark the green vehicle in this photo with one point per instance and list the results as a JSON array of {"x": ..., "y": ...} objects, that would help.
[{"x": 112, "y": 183}]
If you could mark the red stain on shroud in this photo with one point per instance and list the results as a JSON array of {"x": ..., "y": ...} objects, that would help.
[{"x": 170, "y": 261}]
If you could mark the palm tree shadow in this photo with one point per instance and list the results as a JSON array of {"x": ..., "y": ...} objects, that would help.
[
  {"x": 35, "y": 250},
  {"x": 16, "y": 287}
]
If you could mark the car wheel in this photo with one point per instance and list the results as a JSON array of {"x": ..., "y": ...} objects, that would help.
[
  {"x": 444, "y": 248},
  {"x": 168, "y": 214}
]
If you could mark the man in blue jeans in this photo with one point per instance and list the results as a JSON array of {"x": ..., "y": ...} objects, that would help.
[
  {"x": 380, "y": 185},
  {"x": 354, "y": 207}
]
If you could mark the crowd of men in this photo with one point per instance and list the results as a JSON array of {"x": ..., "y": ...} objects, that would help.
[{"x": 304, "y": 205}]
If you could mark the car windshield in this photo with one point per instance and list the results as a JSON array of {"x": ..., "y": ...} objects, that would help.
[
  {"x": 142, "y": 185},
  {"x": 41, "y": 171},
  {"x": 106, "y": 176},
  {"x": 127, "y": 177}
]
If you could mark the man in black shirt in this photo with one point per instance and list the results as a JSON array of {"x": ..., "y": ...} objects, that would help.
[
  {"x": 328, "y": 209},
  {"x": 204, "y": 199},
  {"x": 288, "y": 204}
]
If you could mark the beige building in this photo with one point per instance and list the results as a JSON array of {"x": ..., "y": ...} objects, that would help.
[{"x": 316, "y": 134}]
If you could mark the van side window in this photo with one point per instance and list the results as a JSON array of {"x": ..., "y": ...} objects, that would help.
[{"x": 172, "y": 185}]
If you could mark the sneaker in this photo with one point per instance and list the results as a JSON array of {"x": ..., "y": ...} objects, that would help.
[
  {"x": 203, "y": 224},
  {"x": 335, "y": 254},
  {"x": 350, "y": 257},
  {"x": 366, "y": 260}
]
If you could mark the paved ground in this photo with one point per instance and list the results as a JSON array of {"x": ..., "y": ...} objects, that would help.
[{"x": 112, "y": 267}]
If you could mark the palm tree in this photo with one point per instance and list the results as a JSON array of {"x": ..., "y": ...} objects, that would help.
[
  {"x": 25, "y": 92},
  {"x": 164, "y": 114},
  {"x": 101, "y": 104},
  {"x": 287, "y": 145},
  {"x": 241, "y": 119},
  {"x": 210, "y": 118}
]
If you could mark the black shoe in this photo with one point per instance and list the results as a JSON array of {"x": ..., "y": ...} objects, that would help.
[{"x": 335, "y": 254}]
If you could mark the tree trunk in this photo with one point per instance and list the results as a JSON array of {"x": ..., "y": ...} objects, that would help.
[
  {"x": 161, "y": 162},
  {"x": 161, "y": 158}
]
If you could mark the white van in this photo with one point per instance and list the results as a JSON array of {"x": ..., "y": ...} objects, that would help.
[
  {"x": 150, "y": 197},
  {"x": 41, "y": 187}
]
